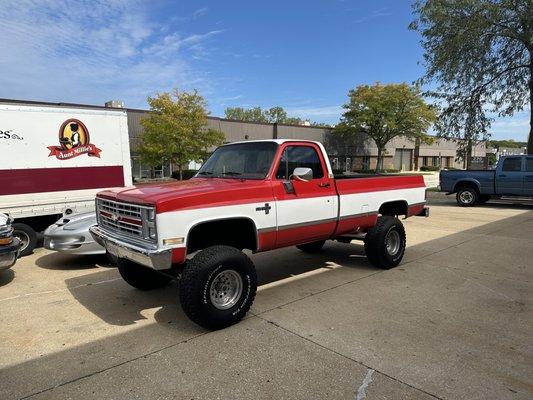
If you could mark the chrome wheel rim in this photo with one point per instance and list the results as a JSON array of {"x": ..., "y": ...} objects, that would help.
[
  {"x": 466, "y": 197},
  {"x": 392, "y": 242},
  {"x": 24, "y": 239},
  {"x": 226, "y": 289}
]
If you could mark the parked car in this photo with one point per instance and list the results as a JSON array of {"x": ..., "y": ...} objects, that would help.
[
  {"x": 513, "y": 177},
  {"x": 70, "y": 234},
  {"x": 257, "y": 195},
  {"x": 9, "y": 245},
  {"x": 56, "y": 158}
]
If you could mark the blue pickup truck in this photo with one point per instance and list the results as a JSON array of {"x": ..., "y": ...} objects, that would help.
[{"x": 513, "y": 177}]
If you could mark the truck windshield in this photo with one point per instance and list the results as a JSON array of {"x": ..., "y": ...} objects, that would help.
[{"x": 240, "y": 161}]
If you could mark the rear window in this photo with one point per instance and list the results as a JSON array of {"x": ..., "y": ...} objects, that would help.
[{"x": 513, "y": 164}]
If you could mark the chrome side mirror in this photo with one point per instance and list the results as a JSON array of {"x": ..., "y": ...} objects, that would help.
[{"x": 303, "y": 174}]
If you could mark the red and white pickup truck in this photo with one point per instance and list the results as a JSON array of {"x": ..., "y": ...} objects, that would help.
[{"x": 256, "y": 195}]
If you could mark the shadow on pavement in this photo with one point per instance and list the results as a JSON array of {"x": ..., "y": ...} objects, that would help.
[
  {"x": 119, "y": 304},
  {"x": 63, "y": 261}
]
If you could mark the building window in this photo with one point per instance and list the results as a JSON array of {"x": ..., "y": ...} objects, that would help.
[{"x": 366, "y": 162}]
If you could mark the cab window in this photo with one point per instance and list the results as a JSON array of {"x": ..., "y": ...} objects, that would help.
[
  {"x": 513, "y": 164},
  {"x": 299, "y": 157},
  {"x": 529, "y": 164}
]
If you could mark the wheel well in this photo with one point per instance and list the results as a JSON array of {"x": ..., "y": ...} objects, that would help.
[
  {"x": 465, "y": 184},
  {"x": 39, "y": 223},
  {"x": 394, "y": 208},
  {"x": 235, "y": 232}
]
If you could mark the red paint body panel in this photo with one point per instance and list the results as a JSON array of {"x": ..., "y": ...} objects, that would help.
[
  {"x": 194, "y": 193},
  {"x": 44, "y": 180},
  {"x": 357, "y": 222}
]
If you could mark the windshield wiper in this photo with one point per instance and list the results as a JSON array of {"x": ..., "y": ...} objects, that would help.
[
  {"x": 205, "y": 173},
  {"x": 232, "y": 173}
]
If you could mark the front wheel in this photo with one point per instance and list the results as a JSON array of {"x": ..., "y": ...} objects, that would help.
[
  {"x": 218, "y": 286},
  {"x": 385, "y": 243},
  {"x": 141, "y": 277},
  {"x": 467, "y": 197}
]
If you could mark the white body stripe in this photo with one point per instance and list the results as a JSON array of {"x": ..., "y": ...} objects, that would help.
[
  {"x": 299, "y": 211},
  {"x": 177, "y": 224},
  {"x": 357, "y": 203}
]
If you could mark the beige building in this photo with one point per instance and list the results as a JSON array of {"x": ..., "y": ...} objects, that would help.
[{"x": 401, "y": 154}]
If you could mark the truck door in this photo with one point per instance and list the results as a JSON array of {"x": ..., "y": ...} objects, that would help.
[
  {"x": 528, "y": 177},
  {"x": 510, "y": 177},
  {"x": 306, "y": 211}
]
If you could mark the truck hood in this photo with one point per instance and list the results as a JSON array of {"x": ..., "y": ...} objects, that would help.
[{"x": 193, "y": 193}]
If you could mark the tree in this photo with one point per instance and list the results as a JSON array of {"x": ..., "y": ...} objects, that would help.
[
  {"x": 255, "y": 114},
  {"x": 272, "y": 115},
  {"x": 176, "y": 130},
  {"x": 478, "y": 55},
  {"x": 384, "y": 112}
]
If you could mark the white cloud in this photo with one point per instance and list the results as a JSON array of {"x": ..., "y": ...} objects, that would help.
[
  {"x": 326, "y": 112},
  {"x": 91, "y": 51}
]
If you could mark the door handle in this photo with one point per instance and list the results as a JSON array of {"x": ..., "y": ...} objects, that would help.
[
  {"x": 502, "y": 176},
  {"x": 324, "y": 184}
]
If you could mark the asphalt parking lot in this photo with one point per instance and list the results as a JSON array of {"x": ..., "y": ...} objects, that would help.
[{"x": 454, "y": 321}]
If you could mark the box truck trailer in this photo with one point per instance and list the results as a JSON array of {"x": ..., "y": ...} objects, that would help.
[{"x": 54, "y": 159}]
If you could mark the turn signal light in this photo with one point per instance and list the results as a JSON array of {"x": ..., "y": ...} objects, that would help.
[
  {"x": 6, "y": 240},
  {"x": 170, "y": 241}
]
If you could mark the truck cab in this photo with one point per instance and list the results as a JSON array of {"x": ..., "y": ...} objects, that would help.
[{"x": 514, "y": 176}]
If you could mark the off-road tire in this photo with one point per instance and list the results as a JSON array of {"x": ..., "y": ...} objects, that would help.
[
  {"x": 376, "y": 242},
  {"x": 27, "y": 235},
  {"x": 141, "y": 277},
  {"x": 467, "y": 193},
  {"x": 195, "y": 286},
  {"x": 313, "y": 247}
]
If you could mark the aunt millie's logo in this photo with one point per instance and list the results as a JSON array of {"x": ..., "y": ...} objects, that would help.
[{"x": 74, "y": 141}]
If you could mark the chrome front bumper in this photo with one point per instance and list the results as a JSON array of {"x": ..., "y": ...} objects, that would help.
[{"x": 152, "y": 258}]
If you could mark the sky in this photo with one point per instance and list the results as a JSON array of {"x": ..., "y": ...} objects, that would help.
[{"x": 301, "y": 55}]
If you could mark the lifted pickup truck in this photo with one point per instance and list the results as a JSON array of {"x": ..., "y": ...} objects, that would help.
[
  {"x": 256, "y": 195},
  {"x": 513, "y": 177}
]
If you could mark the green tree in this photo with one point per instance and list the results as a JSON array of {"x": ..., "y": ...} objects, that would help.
[
  {"x": 255, "y": 114},
  {"x": 478, "y": 57},
  {"x": 384, "y": 112},
  {"x": 176, "y": 130},
  {"x": 272, "y": 115}
]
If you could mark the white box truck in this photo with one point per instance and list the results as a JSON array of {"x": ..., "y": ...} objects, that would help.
[{"x": 54, "y": 159}]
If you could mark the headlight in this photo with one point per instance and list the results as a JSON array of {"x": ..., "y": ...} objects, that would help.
[
  {"x": 151, "y": 214},
  {"x": 152, "y": 233}
]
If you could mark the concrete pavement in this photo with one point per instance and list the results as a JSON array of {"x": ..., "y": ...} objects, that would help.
[{"x": 453, "y": 321}]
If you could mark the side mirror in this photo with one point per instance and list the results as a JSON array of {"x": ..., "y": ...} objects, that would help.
[{"x": 303, "y": 174}]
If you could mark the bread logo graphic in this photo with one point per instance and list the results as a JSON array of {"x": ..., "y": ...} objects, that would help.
[{"x": 74, "y": 141}]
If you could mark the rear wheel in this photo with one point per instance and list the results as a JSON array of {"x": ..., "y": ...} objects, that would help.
[
  {"x": 141, "y": 277},
  {"x": 217, "y": 287},
  {"x": 312, "y": 247},
  {"x": 27, "y": 236},
  {"x": 467, "y": 197},
  {"x": 385, "y": 243}
]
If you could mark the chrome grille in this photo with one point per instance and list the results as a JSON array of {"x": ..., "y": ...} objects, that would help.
[{"x": 127, "y": 220}]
